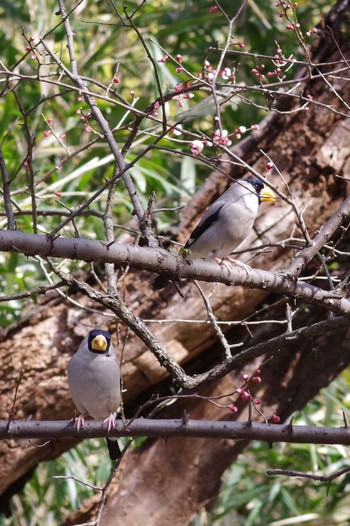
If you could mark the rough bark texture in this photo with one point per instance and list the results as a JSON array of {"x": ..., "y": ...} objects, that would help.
[{"x": 168, "y": 482}]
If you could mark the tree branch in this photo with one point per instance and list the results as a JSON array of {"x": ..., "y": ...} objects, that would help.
[
  {"x": 267, "y": 348},
  {"x": 301, "y": 260},
  {"x": 136, "y": 324},
  {"x": 104, "y": 125},
  {"x": 159, "y": 260},
  {"x": 11, "y": 223},
  {"x": 177, "y": 428}
]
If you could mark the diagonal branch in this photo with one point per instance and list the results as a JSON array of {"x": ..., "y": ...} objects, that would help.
[
  {"x": 136, "y": 324},
  {"x": 104, "y": 125},
  {"x": 268, "y": 348},
  {"x": 301, "y": 260}
]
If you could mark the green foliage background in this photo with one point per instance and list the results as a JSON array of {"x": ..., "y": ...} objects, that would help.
[{"x": 105, "y": 48}]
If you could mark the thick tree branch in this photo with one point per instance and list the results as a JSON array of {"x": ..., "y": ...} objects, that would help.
[
  {"x": 178, "y": 428},
  {"x": 158, "y": 260}
]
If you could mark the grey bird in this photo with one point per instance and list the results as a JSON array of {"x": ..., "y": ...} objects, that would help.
[
  {"x": 228, "y": 221},
  {"x": 94, "y": 383}
]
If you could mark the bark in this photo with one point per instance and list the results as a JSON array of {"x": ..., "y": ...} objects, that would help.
[{"x": 166, "y": 482}]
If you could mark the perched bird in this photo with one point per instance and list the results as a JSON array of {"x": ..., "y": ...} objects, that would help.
[
  {"x": 94, "y": 383},
  {"x": 228, "y": 221}
]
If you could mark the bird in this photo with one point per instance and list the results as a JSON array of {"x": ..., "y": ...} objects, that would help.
[
  {"x": 225, "y": 225},
  {"x": 228, "y": 221},
  {"x": 94, "y": 383}
]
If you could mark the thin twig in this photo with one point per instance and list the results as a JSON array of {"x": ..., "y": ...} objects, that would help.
[{"x": 11, "y": 223}]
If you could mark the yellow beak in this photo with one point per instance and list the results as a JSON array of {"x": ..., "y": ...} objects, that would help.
[
  {"x": 267, "y": 194},
  {"x": 99, "y": 343}
]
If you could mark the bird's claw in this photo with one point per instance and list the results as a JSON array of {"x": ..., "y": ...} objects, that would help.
[
  {"x": 229, "y": 262},
  {"x": 110, "y": 421},
  {"x": 79, "y": 422}
]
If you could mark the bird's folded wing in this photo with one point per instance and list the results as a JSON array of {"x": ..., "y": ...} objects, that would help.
[{"x": 204, "y": 224}]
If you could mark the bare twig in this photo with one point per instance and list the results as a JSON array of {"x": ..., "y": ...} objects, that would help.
[
  {"x": 96, "y": 112},
  {"x": 213, "y": 321},
  {"x": 11, "y": 223},
  {"x": 320, "y": 478},
  {"x": 109, "y": 230},
  {"x": 11, "y": 411},
  {"x": 301, "y": 260}
]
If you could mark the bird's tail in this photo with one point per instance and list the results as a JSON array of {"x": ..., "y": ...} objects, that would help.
[{"x": 113, "y": 448}]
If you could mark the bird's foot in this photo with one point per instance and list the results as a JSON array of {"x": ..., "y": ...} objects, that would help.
[
  {"x": 79, "y": 422},
  {"x": 110, "y": 421},
  {"x": 229, "y": 262}
]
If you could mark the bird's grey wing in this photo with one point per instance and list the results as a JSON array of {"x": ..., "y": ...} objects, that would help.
[
  {"x": 74, "y": 372},
  {"x": 206, "y": 222}
]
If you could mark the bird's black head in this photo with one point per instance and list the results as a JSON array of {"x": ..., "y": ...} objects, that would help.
[
  {"x": 263, "y": 192},
  {"x": 256, "y": 184},
  {"x": 99, "y": 341}
]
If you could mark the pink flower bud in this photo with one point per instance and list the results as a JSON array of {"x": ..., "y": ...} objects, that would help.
[
  {"x": 196, "y": 147},
  {"x": 245, "y": 396}
]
